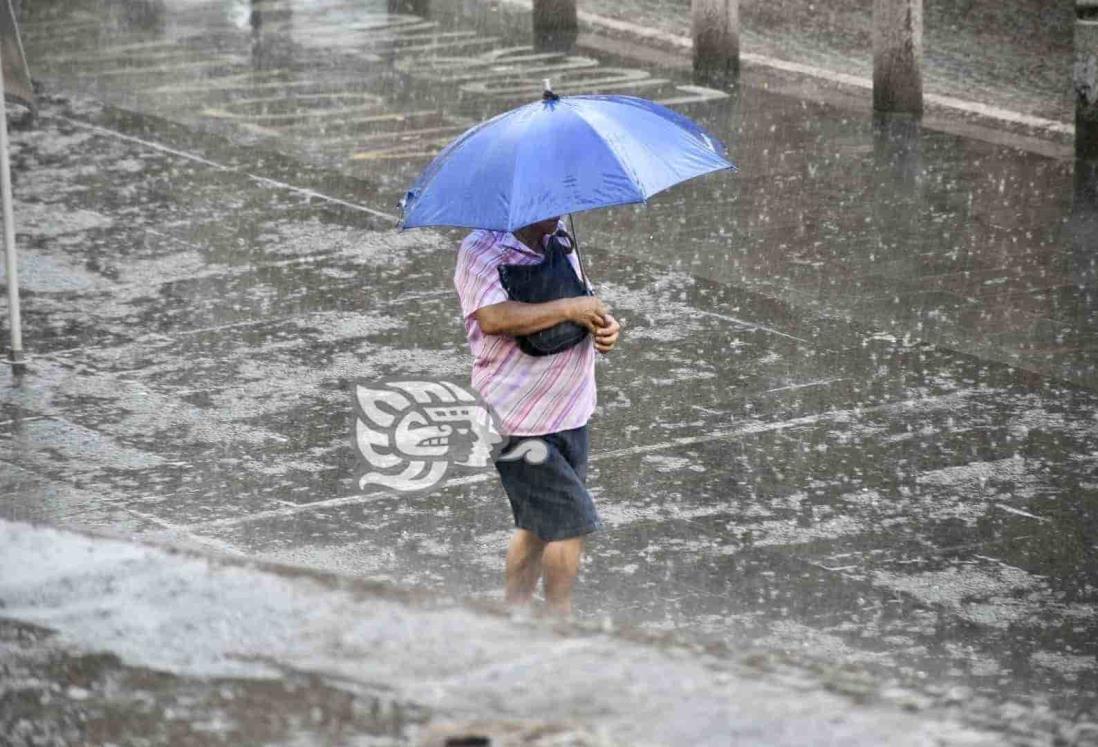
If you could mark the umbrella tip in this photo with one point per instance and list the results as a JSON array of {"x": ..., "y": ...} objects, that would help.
[{"x": 547, "y": 91}]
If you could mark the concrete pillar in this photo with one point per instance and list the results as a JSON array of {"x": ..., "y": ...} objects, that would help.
[
  {"x": 715, "y": 27},
  {"x": 556, "y": 25},
  {"x": 1084, "y": 213},
  {"x": 421, "y": 8},
  {"x": 1084, "y": 246},
  {"x": 554, "y": 16},
  {"x": 898, "y": 56},
  {"x": 1086, "y": 79}
]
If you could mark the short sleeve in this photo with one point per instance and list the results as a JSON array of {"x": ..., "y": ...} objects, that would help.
[{"x": 476, "y": 276}]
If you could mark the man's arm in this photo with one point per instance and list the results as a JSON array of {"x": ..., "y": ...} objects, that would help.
[{"x": 516, "y": 318}]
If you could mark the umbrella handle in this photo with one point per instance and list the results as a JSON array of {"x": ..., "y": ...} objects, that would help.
[{"x": 576, "y": 249}]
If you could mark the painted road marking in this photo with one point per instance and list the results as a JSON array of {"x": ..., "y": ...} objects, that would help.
[
  {"x": 408, "y": 43},
  {"x": 604, "y": 79},
  {"x": 239, "y": 82},
  {"x": 238, "y": 109},
  {"x": 750, "y": 325},
  {"x": 184, "y": 65}
]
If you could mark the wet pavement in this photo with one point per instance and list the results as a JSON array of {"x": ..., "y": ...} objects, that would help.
[
  {"x": 852, "y": 418},
  {"x": 108, "y": 642}
]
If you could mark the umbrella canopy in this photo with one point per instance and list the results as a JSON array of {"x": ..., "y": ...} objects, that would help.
[{"x": 558, "y": 156}]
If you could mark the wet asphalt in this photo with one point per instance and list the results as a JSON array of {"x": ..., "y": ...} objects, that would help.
[{"x": 852, "y": 418}]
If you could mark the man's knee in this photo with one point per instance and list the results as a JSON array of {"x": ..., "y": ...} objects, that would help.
[
  {"x": 529, "y": 541},
  {"x": 564, "y": 555}
]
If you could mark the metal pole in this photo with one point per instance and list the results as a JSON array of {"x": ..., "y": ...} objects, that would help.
[
  {"x": 16, "y": 353},
  {"x": 898, "y": 56}
]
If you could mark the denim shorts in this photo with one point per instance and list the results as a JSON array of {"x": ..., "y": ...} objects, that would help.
[{"x": 551, "y": 499}]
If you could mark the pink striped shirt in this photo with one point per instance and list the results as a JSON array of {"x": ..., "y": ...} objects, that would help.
[{"x": 531, "y": 395}]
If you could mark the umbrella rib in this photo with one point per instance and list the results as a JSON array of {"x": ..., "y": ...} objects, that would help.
[
  {"x": 617, "y": 156},
  {"x": 511, "y": 193}
]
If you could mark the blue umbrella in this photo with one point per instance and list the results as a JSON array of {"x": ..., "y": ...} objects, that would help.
[{"x": 559, "y": 156}]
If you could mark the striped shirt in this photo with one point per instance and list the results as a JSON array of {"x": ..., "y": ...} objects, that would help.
[{"x": 531, "y": 395}]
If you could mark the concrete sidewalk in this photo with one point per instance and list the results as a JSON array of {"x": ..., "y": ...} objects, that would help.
[{"x": 109, "y": 642}]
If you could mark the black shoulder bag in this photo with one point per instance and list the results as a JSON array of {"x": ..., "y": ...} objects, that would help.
[{"x": 548, "y": 280}]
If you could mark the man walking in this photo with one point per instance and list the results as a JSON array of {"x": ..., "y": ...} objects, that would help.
[{"x": 549, "y": 397}]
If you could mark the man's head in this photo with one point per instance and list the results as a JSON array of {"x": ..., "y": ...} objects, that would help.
[{"x": 542, "y": 227}]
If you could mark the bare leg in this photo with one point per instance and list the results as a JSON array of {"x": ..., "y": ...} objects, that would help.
[
  {"x": 561, "y": 561},
  {"x": 524, "y": 556}
]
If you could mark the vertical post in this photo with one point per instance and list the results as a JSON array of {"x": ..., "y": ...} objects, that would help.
[
  {"x": 16, "y": 353},
  {"x": 715, "y": 28},
  {"x": 1086, "y": 80},
  {"x": 555, "y": 16},
  {"x": 421, "y": 8},
  {"x": 1084, "y": 213},
  {"x": 898, "y": 56}
]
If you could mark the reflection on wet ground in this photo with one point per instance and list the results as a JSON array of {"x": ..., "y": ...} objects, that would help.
[{"x": 853, "y": 416}]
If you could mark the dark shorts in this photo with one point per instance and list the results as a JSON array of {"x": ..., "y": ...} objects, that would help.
[{"x": 551, "y": 499}]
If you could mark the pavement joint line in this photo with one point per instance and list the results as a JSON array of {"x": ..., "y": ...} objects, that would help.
[
  {"x": 178, "y": 531},
  {"x": 164, "y": 339},
  {"x": 25, "y": 420},
  {"x": 936, "y": 551},
  {"x": 806, "y": 385},
  {"x": 150, "y": 518},
  {"x": 312, "y": 193},
  {"x": 752, "y": 325},
  {"x": 685, "y": 43},
  {"x": 1004, "y": 564},
  {"x": 174, "y": 528},
  {"x": 774, "y": 427},
  {"x": 347, "y": 500},
  {"x": 1017, "y": 511},
  {"x": 360, "y": 498}
]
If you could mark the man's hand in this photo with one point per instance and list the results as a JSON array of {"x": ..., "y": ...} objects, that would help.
[
  {"x": 588, "y": 311},
  {"x": 607, "y": 335}
]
